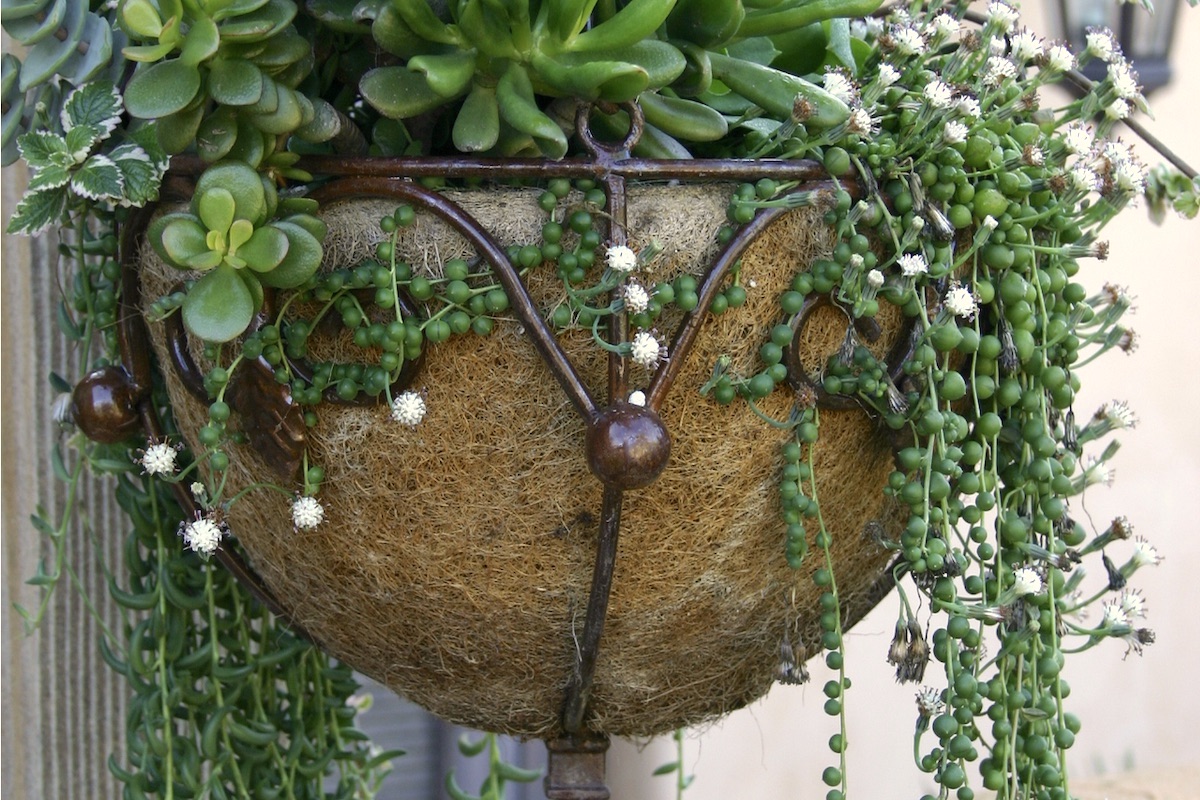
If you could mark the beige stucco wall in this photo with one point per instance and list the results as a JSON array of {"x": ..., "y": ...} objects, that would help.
[{"x": 1138, "y": 713}]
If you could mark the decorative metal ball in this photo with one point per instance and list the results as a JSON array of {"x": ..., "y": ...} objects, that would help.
[
  {"x": 105, "y": 405},
  {"x": 627, "y": 446}
]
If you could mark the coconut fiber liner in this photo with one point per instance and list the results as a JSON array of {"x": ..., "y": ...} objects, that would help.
[{"x": 455, "y": 558}]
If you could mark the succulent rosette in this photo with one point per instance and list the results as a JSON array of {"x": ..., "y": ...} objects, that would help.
[{"x": 241, "y": 237}]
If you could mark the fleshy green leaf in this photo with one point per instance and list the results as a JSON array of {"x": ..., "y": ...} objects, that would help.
[
  {"x": 218, "y": 133},
  {"x": 141, "y": 18},
  {"x": 449, "y": 75},
  {"x": 234, "y": 82},
  {"x": 182, "y": 239},
  {"x": 303, "y": 257},
  {"x": 161, "y": 89},
  {"x": 243, "y": 184},
  {"x": 148, "y": 53},
  {"x": 216, "y": 208},
  {"x": 95, "y": 104},
  {"x": 177, "y": 131},
  {"x": 98, "y": 178},
  {"x": 219, "y": 306},
  {"x": 201, "y": 42},
  {"x": 38, "y": 211},
  {"x": 398, "y": 92},
  {"x": 43, "y": 149},
  {"x": 265, "y": 249}
]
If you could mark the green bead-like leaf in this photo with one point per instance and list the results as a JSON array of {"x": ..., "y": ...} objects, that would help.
[
  {"x": 181, "y": 240},
  {"x": 234, "y": 82},
  {"x": 219, "y": 306},
  {"x": 242, "y": 183},
  {"x": 38, "y": 211},
  {"x": 304, "y": 254},
  {"x": 161, "y": 89},
  {"x": 265, "y": 249},
  {"x": 98, "y": 178}
]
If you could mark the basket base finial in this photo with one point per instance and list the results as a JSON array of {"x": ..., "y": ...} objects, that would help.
[{"x": 575, "y": 769}]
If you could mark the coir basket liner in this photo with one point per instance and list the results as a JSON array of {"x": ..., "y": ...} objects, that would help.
[{"x": 455, "y": 560}]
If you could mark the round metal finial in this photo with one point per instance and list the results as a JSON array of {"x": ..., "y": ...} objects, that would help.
[
  {"x": 627, "y": 446},
  {"x": 105, "y": 405}
]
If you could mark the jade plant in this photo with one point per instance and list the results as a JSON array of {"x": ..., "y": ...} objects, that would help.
[{"x": 963, "y": 202}]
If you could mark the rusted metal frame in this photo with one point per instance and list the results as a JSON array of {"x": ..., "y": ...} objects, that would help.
[
  {"x": 134, "y": 342},
  {"x": 522, "y": 304},
  {"x": 579, "y": 686},
  {"x": 685, "y": 336},
  {"x": 706, "y": 169}
]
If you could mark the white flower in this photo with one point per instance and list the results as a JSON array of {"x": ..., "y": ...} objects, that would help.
[
  {"x": 968, "y": 106},
  {"x": 159, "y": 459},
  {"x": 989, "y": 222},
  {"x": 198, "y": 490},
  {"x": 1084, "y": 179},
  {"x": 1026, "y": 46},
  {"x": 929, "y": 701},
  {"x": 875, "y": 279},
  {"x": 1059, "y": 59},
  {"x": 645, "y": 349},
  {"x": 999, "y": 69},
  {"x": 1026, "y": 581},
  {"x": 307, "y": 512},
  {"x": 1129, "y": 175},
  {"x": 1100, "y": 43},
  {"x": 841, "y": 87},
  {"x": 1098, "y": 471},
  {"x": 1078, "y": 138},
  {"x": 1114, "y": 614},
  {"x": 912, "y": 264},
  {"x": 1119, "y": 414},
  {"x": 202, "y": 535},
  {"x": 1116, "y": 151},
  {"x": 888, "y": 74},
  {"x": 861, "y": 122},
  {"x": 1124, "y": 80},
  {"x": 1002, "y": 15},
  {"x": 1133, "y": 604},
  {"x": 637, "y": 398},
  {"x": 938, "y": 93},
  {"x": 1033, "y": 156},
  {"x": 1117, "y": 109},
  {"x": 856, "y": 261},
  {"x": 637, "y": 299},
  {"x": 408, "y": 409},
  {"x": 997, "y": 46},
  {"x": 621, "y": 259},
  {"x": 943, "y": 25},
  {"x": 908, "y": 40},
  {"x": 961, "y": 302},
  {"x": 1145, "y": 554}
]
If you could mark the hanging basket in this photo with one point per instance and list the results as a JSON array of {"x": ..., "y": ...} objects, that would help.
[{"x": 487, "y": 564}]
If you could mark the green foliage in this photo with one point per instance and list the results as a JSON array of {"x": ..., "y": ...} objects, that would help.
[
  {"x": 499, "y": 770},
  {"x": 233, "y": 236}
]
